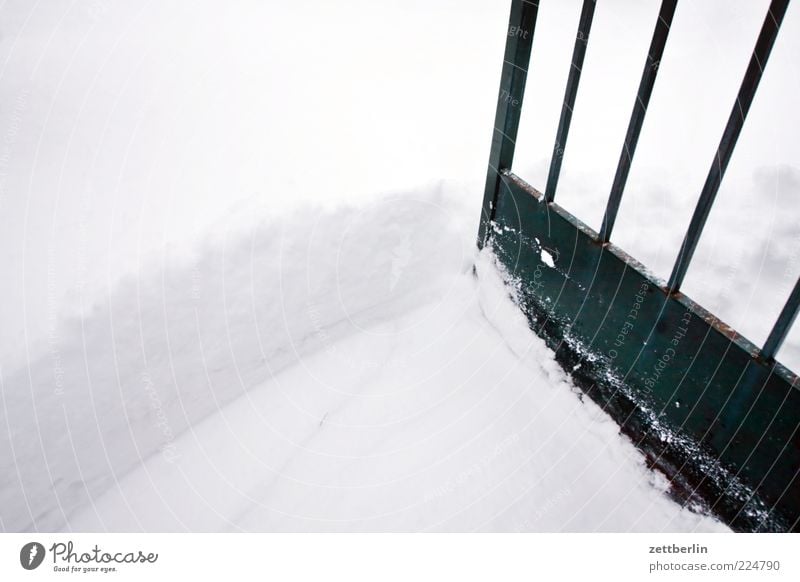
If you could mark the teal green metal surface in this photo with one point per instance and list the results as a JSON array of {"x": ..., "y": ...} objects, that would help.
[
  {"x": 519, "y": 40},
  {"x": 720, "y": 422},
  {"x": 717, "y": 415}
]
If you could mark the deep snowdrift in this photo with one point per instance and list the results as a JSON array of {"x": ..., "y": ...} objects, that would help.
[{"x": 335, "y": 370}]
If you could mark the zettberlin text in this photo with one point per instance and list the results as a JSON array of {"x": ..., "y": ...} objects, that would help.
[{"x": 675, "y": 549}]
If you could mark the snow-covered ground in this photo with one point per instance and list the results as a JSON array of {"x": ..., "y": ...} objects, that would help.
[
  {"x": 216, "y": 314},
  {"x": 339, "y": 370}
]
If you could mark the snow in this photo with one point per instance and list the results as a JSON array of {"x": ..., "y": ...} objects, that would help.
[
  {"x": 547, "y": 258},
  {"x": 215, "y": 317},
  {"x": 299, "y": 376}
]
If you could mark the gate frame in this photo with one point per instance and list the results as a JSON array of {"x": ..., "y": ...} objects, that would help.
[{"x": 716, "y": 414}]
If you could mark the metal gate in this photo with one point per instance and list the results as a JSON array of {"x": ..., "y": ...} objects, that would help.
[{"x": 713, "y": 411}]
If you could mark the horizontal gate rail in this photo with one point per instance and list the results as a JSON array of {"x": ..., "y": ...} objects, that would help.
[
  {"x": 721, "y": 422},
  {"x": 719, "y": 416}
]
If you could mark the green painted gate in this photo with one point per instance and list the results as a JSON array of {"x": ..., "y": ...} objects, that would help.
[{"x": 714, "y": 412}]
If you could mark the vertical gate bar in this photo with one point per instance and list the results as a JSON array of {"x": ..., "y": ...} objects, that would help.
[
  {"x": 509, "y": 104},
  {"x": 651, "y": 66},
  {"x": 783, "y": 324},
  {"x": 755, "y": 70},
  {"x": 574, "y": 78}
]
